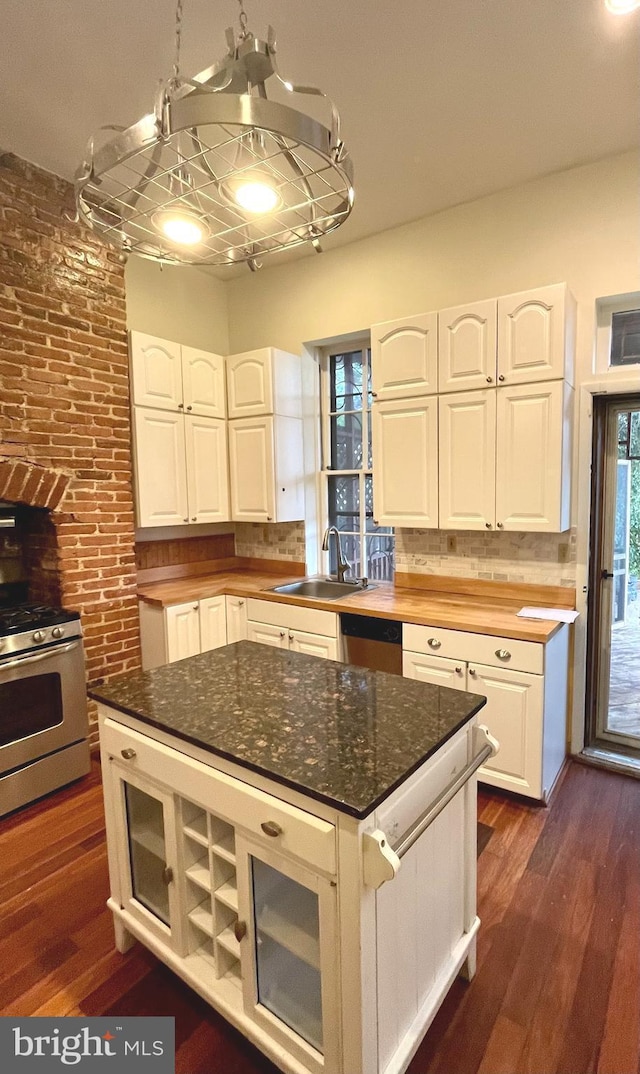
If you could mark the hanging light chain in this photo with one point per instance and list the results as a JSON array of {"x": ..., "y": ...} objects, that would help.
[
  {"x": 242, "y": 19},
  {"x": 176, "y": 62}
]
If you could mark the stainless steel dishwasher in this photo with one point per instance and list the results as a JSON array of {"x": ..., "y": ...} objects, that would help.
[{"x": 372, "y": 643}]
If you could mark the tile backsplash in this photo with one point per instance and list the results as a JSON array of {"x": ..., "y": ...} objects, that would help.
[
  {"x": 538, "y": 558},
  {"x": 283, "y": 540}
]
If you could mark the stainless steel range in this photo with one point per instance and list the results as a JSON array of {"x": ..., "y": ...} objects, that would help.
[{"x": 43, "y": 707}]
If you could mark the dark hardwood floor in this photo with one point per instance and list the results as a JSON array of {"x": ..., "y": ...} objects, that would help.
[{"x": 558, "y": 984}]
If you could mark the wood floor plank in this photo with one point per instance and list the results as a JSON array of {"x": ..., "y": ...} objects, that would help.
[{"x": 558, "y": 984}]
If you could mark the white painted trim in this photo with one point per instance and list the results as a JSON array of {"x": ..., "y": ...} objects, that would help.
[{"x": 613, "y": 382}]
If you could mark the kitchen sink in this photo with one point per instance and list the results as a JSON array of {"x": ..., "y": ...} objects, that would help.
[{"x": 321, "y": 589}]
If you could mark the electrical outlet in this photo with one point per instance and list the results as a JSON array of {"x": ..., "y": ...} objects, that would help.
[{"x": 451, "y": 543}]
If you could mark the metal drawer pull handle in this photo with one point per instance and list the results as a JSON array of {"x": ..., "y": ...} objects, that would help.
[
  {"x": 488, "y": 748},
  {"x": 239, "y": 930},
  {"x": 503, "y": 654},
  {"x": 434, "y": 643},
  {"x": 128, "y": 754},
  {"x": 291, "y": 637},
  {"x": 270, "y": 827},
  {"x": 472, "y": 671},
  {"x": 459, "y": 671},
  {"x": 167, "y": 875}
]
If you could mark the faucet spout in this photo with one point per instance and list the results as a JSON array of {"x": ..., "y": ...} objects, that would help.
[{"x": 343, "y": 564}]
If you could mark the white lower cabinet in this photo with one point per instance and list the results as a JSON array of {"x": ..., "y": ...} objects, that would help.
[
  {"x": 525, "y": 684},
  {"x": 236, "y": 618},
  {"x": 303, "y": 630},
  {"x": 182, "y": 630},
  {"x": 270, "y": 906}
]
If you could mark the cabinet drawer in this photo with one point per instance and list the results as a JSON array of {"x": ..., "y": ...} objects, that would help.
[
  {"x": 399, "y": 812},
  {"x": 302, "y": 835},
  {"x": 311, "y": 620},
  {"x": 482, "y": 648}
]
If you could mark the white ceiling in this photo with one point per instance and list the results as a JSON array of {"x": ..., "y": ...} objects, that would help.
[{"x": 442, "y": 101}]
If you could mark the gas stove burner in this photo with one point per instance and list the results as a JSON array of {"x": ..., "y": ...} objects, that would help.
[{"x": 31, "y": 615}]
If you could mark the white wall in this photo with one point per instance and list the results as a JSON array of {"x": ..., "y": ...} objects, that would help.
[
  {"x": 580, "y": 226},
  {"x": 181, "y": 303}
]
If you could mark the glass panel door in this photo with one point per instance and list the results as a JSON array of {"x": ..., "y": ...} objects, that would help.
[
  {"x": 287, "y": 950},
  {"x": 147, "y": 851},
  {"x": 615, "y": 572}
]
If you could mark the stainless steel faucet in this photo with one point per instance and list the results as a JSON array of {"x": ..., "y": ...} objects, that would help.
[{"x": 343, "y": 564}]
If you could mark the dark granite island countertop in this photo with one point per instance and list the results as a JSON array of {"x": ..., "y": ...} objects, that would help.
[{"x": 340, "y": 734}]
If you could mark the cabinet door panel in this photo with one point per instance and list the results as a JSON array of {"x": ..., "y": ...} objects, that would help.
[
  {"x": 250, "y": 384},
  {"x": 313, "y": 645},
  {"x": 183, "y": 631},
  {"x": 467, "y": 347},
  {"x": 236, "y": 619},
  {"x": 156, "y": 368},
  {"x": 534, "y": 327},
  {"x": 203, "y": 382},
  {"x": 513, "y": 714},
  {"x": 467, "y": 455},
  {"x": 290, "y": 979},
  {"x": 405, "y": 453},
  {"x": 251, "y": 467},
  {"x": 266, "y": 634},
  {"x": 404, "y": 357},
  {"x": 161, "y": 481},
  {"x": 207, "y": 469},
  {"x": 532, "y": 461},
  {"x": 438, "y": 670},
  {"x": 213, "y": 623},
  {"x": 145, "y": 845}
]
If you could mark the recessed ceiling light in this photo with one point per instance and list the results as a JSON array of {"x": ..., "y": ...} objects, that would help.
[
  {"x": 621, "y": 7},
  {"x": 181, "y": 226}
]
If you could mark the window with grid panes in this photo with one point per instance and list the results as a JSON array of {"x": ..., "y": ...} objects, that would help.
[{"x": 347, "y": 464}]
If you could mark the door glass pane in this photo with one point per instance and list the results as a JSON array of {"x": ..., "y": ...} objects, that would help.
[
  {"x": 623, "y": 710},
  {"x": 145, "y": 823},
  {"x": 29, "y": 706},
  {"x": 288, "y": 951}
]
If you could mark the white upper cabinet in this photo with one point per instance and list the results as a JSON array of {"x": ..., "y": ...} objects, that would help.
[
  {"x": 405, "y": 462},
  {"x": 536, "y": 332},
  {"x": 533, "y": 457},
  {"x": 467, "y": 346},
  {"x": 265, "y": 465},
  {"x": 160, "y": 468},
  {"x": 180, "y": 468},
  {"x": 404, "y": 357},
  {"x": 467, "y": 460},
  {"x": 170, "y": 376},
  {"x": 207, "y": 469},
  {"x": 203, "y": 384},
  {"x": 505, "y": 458},
  {"x": 265, "y": 381}
]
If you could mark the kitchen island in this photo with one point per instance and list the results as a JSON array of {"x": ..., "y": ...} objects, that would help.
[{"x": 297, "y": 840}]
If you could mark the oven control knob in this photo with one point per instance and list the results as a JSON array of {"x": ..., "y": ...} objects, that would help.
[
  {"x": 57, "y": 632},
  {"x": 39, "y": 635}
]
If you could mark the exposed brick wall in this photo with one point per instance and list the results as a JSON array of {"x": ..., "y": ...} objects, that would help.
[{"x": 64, "y": 414}]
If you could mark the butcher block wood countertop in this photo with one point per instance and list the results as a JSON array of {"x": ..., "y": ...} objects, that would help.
[{"x": 454, "y": 603}]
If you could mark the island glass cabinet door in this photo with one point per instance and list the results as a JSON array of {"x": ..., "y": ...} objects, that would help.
[
  {"x": 290, "y": 981},
  {"x": 144, "y": 818}
]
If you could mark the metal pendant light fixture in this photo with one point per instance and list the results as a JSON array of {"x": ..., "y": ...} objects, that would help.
[{"x": 219, "y": 174}]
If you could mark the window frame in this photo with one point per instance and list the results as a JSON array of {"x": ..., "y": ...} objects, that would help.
[
  {"x": 605, "y": 309},
  {"x": 363, "y": 344}
]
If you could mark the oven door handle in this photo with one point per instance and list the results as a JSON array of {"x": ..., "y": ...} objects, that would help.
[{"x": 56, "y": 650}]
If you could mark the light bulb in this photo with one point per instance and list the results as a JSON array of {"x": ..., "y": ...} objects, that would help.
[
  {"x": 621, "y": 7},
  {"x": 180, "y": 226},
  {"x": 253, "y": 192}
]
